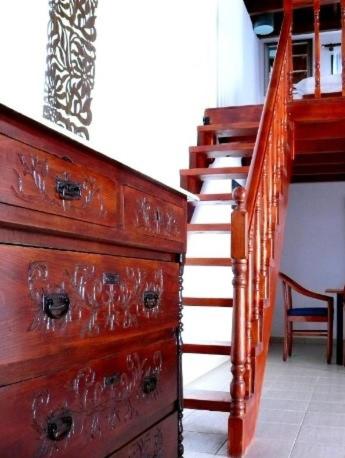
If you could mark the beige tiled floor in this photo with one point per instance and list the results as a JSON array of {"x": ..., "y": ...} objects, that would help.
[{"x": 302, "y": 410}]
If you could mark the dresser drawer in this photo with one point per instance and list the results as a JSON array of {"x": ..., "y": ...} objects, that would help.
[
  {"x": 53, "y": 301},
  {"x": 147, "y": 215},
  {"x": 159, "y": 442},
  {"x": 39, "y": 181},
  {"x": 90, "y": 411}
]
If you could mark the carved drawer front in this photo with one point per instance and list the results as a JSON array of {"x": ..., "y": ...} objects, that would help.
[
  {"x": 91, "y": 410},
  {"x": 52, "y": 300},
  {"x": 149, "y": 216},
  {"x": 36, "y": 180},
  {"x": 159, "y": 442}
]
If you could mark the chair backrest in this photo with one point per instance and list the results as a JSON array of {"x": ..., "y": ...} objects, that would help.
[{"x": 287, "y": 293}]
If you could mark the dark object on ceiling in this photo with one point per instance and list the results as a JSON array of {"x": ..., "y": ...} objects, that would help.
[{"x": 303, "y": 17}]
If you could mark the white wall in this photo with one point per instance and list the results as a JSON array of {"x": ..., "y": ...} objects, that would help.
[
  {"x": 240, "y": 76},
  {"x": 23, "y": 38},
  {"x": 314, "y": 245}
]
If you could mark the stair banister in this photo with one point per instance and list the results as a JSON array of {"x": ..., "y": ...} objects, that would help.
[
  {"x": 253, "y": 181},
  {"x": 255, "y": 244}
]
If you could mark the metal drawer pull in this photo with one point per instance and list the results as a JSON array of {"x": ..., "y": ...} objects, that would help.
[
  {"x": 59, "y": 426},
  {"x": 56, "y": 305},
  {"x": 151, "y": 299},
  {"x": 113, "y": 379},
  {"x": 149, "y": 384},
  {"x": 111, "y": 278},
  {"x": 68, "y": 190}
]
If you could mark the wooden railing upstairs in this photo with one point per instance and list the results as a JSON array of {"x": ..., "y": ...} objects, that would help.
[
  {"x": 257, "y": 231},
  {"x": 316, "y": 6}
]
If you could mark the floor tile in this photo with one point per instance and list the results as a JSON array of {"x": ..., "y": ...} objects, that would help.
[
  {"x": 308, "y": 450},
  {"x": 203, "y": 442},
  {"x": 292, "y": 417},
  {"x": 322, "y": 435},
  {"x": 287, "y": 395},
  {"x": 189, "y": 454},
  {"x": 209, "y": 422},
  {"x": 325, "y": 406},
  {"x": 269, "y": 448},
  {"x": 278, "y": 431},
  {"x": 326, "y": 419},
  {"x": 284, "y": 404},
  {"x": 302, "y": 410}
]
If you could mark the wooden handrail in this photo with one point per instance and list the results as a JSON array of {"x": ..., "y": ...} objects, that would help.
[
  {"x": 257, "y": 226},
  {"x": 253, "y": 181}
]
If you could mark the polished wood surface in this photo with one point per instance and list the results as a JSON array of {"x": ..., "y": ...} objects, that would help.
[
  {"x": 109, "y": 298},
  {"x": 257, "y": 232},
  {"x": 166, "y": 224},
  {"x": 91, "y": 261},
  {"x": 340, "y": 344},
  {"x": 160, "y": 440},
  {"x": 103, "y": 400}
]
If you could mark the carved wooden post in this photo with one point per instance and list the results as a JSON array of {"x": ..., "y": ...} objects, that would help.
[
  {"x": 239, "y": 247},
  {"x": 317, "y": 50},
  {"x": 180, "y": 449},
  {"x": 343, "y": 45}
]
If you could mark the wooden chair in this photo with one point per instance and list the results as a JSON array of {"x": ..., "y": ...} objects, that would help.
[{"x": 309, "y": 314}]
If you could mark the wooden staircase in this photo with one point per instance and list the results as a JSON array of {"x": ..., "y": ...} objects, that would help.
[
  {"x": 277, "y": 143},
  {"x": 259, "y": 140}
]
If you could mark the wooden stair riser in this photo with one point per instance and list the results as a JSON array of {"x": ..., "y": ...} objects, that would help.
[
  {"x": 207, "y": 349},
  {"x": 207, "y": 400},
  {"x": 207, "y": 302}
]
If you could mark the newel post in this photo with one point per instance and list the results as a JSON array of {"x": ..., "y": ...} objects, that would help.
[{"x": 239, "y": 254}]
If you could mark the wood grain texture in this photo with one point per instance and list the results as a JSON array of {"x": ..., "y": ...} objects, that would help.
[
  {"x": 159, "y": 441},
  {"x": 90, "y": 261},
  {"x": 102, "y": 401},
  {"x": 109, "y": 298}
]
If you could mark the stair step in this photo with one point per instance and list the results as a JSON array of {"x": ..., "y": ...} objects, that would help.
[
  {"x": 212, "y": 198},
  {"x": 205, "y": 348},
  {"x": 208, "y": 301},
  {"x": 218, "y": 401},
  {"x": 233, "y": 149},
  {"x": 221, "y": 262},
  {"x": 218, "y": 173},
  {"x": 209, "y": 227},
  {"x": 230, "y": 129}
]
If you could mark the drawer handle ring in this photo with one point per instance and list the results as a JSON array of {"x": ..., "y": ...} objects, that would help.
[
  {"x": 150, "y": 383},
  {"x": 68, "y": 190},
  {"x": 56, "y": 305},
  {"x": 151, "y": 299},
  {"x": 59, "y": 426}
]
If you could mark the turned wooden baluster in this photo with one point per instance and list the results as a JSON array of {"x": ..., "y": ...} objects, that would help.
[
  {"x": 343, "y": 46},
  {"x": 269, "y": 177},
  {"x": 276, "y": 152},
  {"x": 249, "y": 314},
  {"x": 239, "y": 255},
  {"x": 317, "y": 50},
  {"x": 257, "y": 271},
  {"x": 288, "y": 11},
  {"x": 263, "y": 262}
]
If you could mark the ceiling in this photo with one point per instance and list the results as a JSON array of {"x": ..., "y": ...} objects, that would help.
[{"x": 303, "y": 17}]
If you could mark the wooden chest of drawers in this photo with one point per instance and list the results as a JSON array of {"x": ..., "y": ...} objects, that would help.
[{"x": 90, "y": 270}]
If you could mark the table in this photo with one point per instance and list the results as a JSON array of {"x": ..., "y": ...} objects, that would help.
[{"x": 340, "y": 320}]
